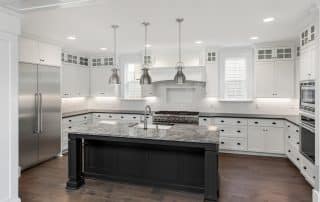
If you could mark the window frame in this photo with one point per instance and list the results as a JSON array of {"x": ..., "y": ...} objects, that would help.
[{"x": 246, "y": 53}]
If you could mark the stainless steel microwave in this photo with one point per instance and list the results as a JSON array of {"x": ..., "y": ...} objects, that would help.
[{"x": 307, "y": 96}]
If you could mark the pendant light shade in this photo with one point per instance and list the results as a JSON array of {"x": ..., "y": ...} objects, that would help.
[
  {"x": 145, "y": 78},
  {"x": 179, "y": 78},
  {"x": 114, "y": 78}
]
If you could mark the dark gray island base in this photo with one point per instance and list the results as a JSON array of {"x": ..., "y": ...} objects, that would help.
[{"x": 184, "y": 157}]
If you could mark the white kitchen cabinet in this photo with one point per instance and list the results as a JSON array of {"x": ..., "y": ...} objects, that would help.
[
  {"x": 238, "y": 144},
  {"x": 28, "y": 51},
  {"x": 205, "y": 121},
  {"x": 264, "y": 79},
  {"x": 83, "y": 81},
  {"x": 99, "y": 83},
  {"x": 75, "y": 81},
  {"x": 308, "y": 170},
  {"x": 31, "y": 51},
  {"x": 68, "y": 124},
  {"x": 274, "y": 140},
  {"x": 212, "y": 74},
  {"x": 49, "y": 54},
  {"x": 308, "y": 63},
  {"x": 256, "y": 139},
  {"x": 266, "y": 135},
  {"x": 275, "y": 79},
  {"x": 68, "y": 81}
]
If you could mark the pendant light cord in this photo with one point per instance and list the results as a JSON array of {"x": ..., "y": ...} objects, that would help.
[
  {"x": 179, "y": 20},
  {"x": 115, "y": 44},
  {"x": 146, "y": 24}
]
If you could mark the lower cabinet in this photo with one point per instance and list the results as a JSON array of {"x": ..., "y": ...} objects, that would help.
[
  {"x": 239, "y": 144},
  {"x": 266, "y": 139}
]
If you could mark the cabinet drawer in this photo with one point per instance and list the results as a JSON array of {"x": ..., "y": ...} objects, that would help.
[
  {"x": 230, "y": 121},
  {"x": 233, "y": 131},
  {"x": 294, "y": 156},
  {"x": 266, "y": 122},
  {"x": 205, "y": 121},
  {"x": 308, "y": 170},
  {"x": 239, "y": 144}
]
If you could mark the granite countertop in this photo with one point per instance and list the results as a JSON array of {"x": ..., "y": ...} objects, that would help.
[
  {"x": 295, "y": 119},
  {"x": 179, "y": 133},
  {"x": 81, "y": 112},
  {"x": 291, "y": 118}
]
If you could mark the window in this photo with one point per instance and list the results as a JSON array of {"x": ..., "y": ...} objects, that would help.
[
  {"x": 235, "y": 79},
  {"x": 132, "y": 88}
]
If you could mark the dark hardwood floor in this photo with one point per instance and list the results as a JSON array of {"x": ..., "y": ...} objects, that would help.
[{"x": 243, "y": 179}]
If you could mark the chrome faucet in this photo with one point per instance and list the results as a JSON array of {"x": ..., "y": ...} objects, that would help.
[{"x": 147, "y": 109}]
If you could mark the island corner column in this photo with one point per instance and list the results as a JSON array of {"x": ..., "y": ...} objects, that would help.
[
  {"x": 75, "y": 174},
  {"x": 211, "y": 192}
]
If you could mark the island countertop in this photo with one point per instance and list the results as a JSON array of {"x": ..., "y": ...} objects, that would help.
[{"x": 177, "y": 133}]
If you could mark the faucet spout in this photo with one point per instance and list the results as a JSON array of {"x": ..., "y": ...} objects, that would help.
[{"x": 147, "y": 111}]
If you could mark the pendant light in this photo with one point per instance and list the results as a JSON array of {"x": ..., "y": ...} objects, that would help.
[
  {"x": 179, "y": 78},
  {"x": 114, "y": 78},
  {"x": 145, "y": 78}
]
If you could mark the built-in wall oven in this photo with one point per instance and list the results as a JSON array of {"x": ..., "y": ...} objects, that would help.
[
  {"x": 307, "y": 96},
  {"x": 307, "y": 137}
]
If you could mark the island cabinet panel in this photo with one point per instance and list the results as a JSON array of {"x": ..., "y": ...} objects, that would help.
[{"x": 175, "y": 167}]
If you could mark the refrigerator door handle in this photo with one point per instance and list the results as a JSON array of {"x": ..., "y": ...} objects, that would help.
[
  {"x": 36, "y": 109},
  {"x": 40, "y": 114}
]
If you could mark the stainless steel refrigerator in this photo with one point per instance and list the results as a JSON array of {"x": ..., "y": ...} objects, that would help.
[{"x": 39, "y": 113}]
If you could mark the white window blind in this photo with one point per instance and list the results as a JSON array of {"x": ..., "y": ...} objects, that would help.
[
  {"x": 235, "y": 79},
  {"x": 132, "y": 89}
]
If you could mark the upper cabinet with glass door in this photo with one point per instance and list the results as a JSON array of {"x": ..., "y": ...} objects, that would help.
[
  {"x": 308, "y": 35},
  {"x": 277, "y": 53}
]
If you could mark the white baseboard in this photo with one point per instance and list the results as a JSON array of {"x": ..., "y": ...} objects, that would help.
[
  {"x": 315, "y": 196},
  {"x": 10, "y": 200},
  {"x": 251, "y": 153}
]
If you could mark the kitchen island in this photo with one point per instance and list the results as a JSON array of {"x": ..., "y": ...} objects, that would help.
[{"x": 181, "y": 157}]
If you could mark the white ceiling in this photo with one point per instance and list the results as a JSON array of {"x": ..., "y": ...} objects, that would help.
[{"x": 216, "y": 22}]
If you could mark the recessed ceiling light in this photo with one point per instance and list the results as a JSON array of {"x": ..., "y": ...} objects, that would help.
[
  {"x": 269, "y": 19},
  {"x": 103, "y": 49},
  {"x": 198, "y": 42},
  {"x": 71, "y": 37},
  {"x": 148, "y": 45},
  {"x": 254, "y": 38}
]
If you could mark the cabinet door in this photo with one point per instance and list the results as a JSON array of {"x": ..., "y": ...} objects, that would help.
[
  {"x": 304, "y": 66},
  {"x": 274, "y": 140},
  {"x": 212, "y": 80},
  {"x": 49, "y": 55},
  {"x": 284, "y": 78},
  {"x": 83, "y": 81},
  {"x": 264, "y": 79},
  {"x": 99, "y": 81},
  {"x": 28, "y": 51},
  {"x": 68, "y": 81},
  {"x": 255, "y": 139},
  {"x": 312, "y": 56}
]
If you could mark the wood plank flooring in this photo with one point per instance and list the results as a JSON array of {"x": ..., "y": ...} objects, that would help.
[{"x": 243, "y": 179}]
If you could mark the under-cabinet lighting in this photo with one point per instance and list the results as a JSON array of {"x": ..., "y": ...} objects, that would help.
[
  {"x": 198, "y": 42},
  {"x": 268, "y": 19},
  {"x": 150, "y": 99},
  {"x": 73, "y": 99},
  {"x": 148, "y": 45},
  {"x": 254, "y": 38},
  {"x": 108, "y": 122},
  {"x": 106, "y": 98},
  {"x": 103, "y": 49},
  {"x": 211, "y": 98},
  {"x": 71, "y": 37},
  {"x": 273, "y": 99},
  {"x": 212, "y": 128}
]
